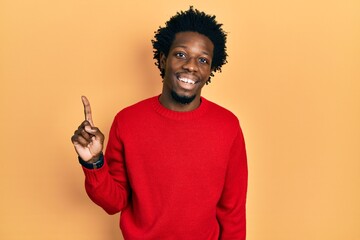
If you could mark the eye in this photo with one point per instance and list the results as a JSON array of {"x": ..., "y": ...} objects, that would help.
[
  {"x": 203, "y": 60},
  {"x": 180, "y": 55}
]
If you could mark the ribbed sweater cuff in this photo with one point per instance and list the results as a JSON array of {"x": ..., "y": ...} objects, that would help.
[{"x": 96, "y": 176}]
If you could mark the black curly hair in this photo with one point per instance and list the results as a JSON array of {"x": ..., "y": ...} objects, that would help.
[{"x": 195, "y": 21}]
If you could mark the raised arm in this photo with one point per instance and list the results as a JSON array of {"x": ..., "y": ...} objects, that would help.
[{"x": 107, "y": 185}]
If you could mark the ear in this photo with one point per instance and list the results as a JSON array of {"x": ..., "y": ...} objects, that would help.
[{"x": 162, "y": 61}]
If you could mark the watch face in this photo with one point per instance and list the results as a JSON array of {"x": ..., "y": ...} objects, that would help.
[
  {"x": 95, "y": 165},
  {"x": 98, "y": 164}
]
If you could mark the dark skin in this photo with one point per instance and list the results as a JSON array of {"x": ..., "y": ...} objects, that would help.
[
  {"x": 187, "y": 68},
  {"x": 189, "y": 59},
  {"x": 87, "y": 139}
]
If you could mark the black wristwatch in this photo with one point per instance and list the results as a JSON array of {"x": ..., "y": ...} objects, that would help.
[{"x": 95, "y": 165}]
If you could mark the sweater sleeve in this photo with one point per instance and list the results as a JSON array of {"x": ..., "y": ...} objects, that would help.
[
  {"x": 108, "y": 186},
  {"x": 231, "y": 206}
]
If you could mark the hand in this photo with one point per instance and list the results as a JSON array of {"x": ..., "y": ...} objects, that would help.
[{"x": 87, "y": 139}]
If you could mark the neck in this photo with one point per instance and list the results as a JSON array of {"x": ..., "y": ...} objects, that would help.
[{"x": 169, "y": 102}]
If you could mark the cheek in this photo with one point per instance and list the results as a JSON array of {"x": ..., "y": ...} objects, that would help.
[
  {"x": 173, "y": 65},
  {"x": 206, "y": 71}
]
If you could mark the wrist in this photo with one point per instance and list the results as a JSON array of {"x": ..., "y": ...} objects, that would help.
[
  {"x": 94, "y": 163},
  {"x": 95, "y": 158}
]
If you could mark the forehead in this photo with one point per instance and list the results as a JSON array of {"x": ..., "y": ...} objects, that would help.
[{"x": 193, "y": 40}]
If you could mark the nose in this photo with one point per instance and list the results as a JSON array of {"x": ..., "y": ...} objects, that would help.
[{"x": 191, "y": 65}]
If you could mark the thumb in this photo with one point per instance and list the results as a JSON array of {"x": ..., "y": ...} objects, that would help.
[
  {"x": 95, "y": 132},
  {"x": 91, "y": 130}
]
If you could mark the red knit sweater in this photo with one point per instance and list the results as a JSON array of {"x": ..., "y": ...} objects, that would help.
[{"x": 174, "y": 175}]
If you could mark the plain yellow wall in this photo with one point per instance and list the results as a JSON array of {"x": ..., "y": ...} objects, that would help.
[{"x": 293, "y": 79}]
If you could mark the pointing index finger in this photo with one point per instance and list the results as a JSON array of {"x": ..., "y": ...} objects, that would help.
[{"x": 87, "y": 110}]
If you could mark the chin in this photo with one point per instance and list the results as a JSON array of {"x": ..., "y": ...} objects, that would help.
[{"x": 181, "y": 98}]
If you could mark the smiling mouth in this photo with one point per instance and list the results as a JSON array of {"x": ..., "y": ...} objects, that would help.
[{"x": 186, "y": 80}]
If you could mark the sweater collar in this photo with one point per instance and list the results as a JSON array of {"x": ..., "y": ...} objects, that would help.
[{"x": 175, "y": 115}]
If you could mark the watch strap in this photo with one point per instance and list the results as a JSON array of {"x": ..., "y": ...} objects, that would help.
[{"x": 95, "y": 165}]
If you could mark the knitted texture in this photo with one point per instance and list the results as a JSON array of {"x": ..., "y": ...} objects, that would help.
[{"x": 174, "y": 175}]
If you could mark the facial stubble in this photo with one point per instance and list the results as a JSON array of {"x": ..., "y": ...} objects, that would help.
[{"x": 182, "y": 99}]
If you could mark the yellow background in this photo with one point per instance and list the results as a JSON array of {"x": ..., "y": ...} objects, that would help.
[{"x": 293, "y": 79}]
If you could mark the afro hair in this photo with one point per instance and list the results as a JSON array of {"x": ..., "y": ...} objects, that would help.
[{"x": 191, "y": 20}]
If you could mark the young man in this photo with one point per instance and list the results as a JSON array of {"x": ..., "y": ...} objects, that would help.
[{"x": 175, "y": 164}]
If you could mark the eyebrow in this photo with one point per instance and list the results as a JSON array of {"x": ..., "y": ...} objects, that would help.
[{"x": 183, "y": 46}]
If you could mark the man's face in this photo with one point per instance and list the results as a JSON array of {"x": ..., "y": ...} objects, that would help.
[{"x": 187, "y": 67}]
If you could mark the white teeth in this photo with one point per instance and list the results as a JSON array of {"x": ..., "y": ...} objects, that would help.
[{"x": 186, "y": 80}]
